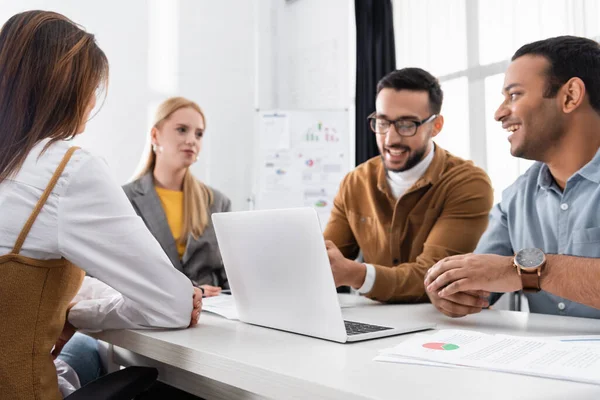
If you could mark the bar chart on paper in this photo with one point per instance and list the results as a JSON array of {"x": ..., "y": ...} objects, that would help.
[{"x": 321, "y": 132}]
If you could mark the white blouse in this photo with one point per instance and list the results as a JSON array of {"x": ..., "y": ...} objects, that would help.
[{"x": 89, "y": 221}]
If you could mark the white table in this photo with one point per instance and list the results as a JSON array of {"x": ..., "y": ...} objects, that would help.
[{"x": 223, "y": 359}]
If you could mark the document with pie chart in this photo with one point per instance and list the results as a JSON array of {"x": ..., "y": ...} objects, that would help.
[{"x": 549, "y": 358}]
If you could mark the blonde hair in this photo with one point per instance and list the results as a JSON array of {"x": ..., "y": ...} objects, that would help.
[{"x": 197, "y": 197}]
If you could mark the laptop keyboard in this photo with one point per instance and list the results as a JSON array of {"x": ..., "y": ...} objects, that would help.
[{"x": 356, "y": 328}]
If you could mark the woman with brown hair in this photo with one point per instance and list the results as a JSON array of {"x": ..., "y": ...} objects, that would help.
[
  {"x": 63, "y": 213},
  {"x": 175, "y": 206}
]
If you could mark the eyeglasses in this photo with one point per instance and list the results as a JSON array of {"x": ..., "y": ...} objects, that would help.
[{"x": 404, "y": 127}]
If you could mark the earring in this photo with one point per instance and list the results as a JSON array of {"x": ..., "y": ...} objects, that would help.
[{"x": 156, "y": 148}]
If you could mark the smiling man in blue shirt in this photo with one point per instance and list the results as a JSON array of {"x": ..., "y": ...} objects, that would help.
[{"x": 544, "y": 236}]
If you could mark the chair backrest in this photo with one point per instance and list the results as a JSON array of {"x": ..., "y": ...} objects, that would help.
[{"x": 124, "y": 384}]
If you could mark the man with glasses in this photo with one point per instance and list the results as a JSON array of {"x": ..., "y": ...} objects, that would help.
[
  {"x": 409, "y": 207},
  {"x": 544, "y": 236}
]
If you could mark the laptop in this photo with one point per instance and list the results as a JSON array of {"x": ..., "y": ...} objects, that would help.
[{"x": 280, "y": 276}]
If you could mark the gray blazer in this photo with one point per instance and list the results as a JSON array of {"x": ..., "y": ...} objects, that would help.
[{"x": 201, "y": 261}]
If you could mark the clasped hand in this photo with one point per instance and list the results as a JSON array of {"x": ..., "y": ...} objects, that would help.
[{"x": 460, "y": 285}]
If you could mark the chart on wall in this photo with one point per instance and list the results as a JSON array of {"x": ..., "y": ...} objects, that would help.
[{"x": 302, "y": 158}]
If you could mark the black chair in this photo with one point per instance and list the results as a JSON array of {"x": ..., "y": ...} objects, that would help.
[
  {"x": 515, "y": 301},
  {"x": 124, "y": 384}
]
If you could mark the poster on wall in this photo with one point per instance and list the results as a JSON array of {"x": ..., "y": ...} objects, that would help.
[{"x": 302, "y": 158}]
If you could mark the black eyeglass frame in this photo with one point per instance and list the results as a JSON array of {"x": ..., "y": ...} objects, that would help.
[{"x": 373, "y": 121}]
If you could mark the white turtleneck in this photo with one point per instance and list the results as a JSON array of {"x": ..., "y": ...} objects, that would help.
[{"x": 399, "y": 183}]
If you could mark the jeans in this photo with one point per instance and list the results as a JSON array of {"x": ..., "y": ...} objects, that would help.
[{"x": 81, "y": 353}]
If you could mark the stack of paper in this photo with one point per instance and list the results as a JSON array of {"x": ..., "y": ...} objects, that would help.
[
  {"x": 556, "y": 358},
  {"x": 223, "y": 305}
]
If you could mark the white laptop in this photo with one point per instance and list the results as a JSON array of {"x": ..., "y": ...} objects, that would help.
[{"x": 280, "y": 275}]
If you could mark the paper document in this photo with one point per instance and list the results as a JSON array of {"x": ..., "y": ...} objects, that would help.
[
  {"x": 224, "y": 305},
  {"x": 593, "y": 340},
  {"x": 514, "y": 354},
  {"x": 388, "y": 355}
]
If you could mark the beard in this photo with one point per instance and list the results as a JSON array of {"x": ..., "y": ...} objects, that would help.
[{"x": 415, "y": 156}]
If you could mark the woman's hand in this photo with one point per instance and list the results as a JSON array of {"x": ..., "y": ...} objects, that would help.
[
  {"x": 197, "y": 299},
  {"x": 210, "y": 291}
]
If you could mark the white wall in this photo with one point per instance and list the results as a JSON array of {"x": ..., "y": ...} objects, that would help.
[
  {"x": 312, "y": 54},
  {"x": 305, "y": 61},
  {"x": 218, "y": 69},
  {"x": 122, "y": 35},
  {"x": 203, "y": 50},
  {"x": 233, "y": 57},
  {"x": 312, "y": 58}
]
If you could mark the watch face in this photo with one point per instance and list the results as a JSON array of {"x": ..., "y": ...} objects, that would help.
[{"x": 530, "y": 258}]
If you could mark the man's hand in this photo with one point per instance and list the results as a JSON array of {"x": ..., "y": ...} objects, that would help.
[
  {"x": 197, "y": 299},
  {"x": 345, "y": 272},
  {"x": 472, "y": 272},
  {"x": 210, "y": 291},
  {"x": 460, "y": 304}
]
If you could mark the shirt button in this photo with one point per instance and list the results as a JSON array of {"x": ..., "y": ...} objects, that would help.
[
  {"x": 564, "y": 206},
  {"x": 561, "y": 306}
]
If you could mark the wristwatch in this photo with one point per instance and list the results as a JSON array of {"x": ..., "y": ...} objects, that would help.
[{"x": 529, "y": 263}]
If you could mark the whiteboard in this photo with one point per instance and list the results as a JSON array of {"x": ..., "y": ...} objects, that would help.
[{"x": 302, "y": 156}]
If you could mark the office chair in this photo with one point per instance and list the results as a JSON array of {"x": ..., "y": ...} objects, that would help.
[
  {"x": 124, "y": 384},
  {"x": 515, "y": 301}
]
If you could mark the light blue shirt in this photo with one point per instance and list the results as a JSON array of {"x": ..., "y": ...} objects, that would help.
[{"x": 534, "y": 212}]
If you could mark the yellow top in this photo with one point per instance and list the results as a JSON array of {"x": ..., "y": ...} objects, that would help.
[{"x": 172, "y": 202}]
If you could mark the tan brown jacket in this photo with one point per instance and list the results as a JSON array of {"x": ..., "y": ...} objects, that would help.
[{"x": 444, "y": 213}]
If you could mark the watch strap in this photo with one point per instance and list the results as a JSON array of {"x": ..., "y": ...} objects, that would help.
[{"x": 530, "y": 280}]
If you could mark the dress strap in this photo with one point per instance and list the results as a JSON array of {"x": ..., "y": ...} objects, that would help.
[{"x": 42, "y": 200}]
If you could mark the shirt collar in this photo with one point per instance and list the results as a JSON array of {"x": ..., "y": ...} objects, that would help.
[
  {"x": 590, "y": 171},
  {"x": 437, "y": 166},
  {"x": 545, "y": 178}
]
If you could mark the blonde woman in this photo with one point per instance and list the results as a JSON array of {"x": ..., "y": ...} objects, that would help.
[{"x": 175, "y": 206}]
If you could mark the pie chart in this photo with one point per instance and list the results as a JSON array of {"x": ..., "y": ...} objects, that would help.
[{"x": 441, "y": 346}]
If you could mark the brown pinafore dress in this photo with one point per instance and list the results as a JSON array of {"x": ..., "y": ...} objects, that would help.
[{"x": 34, "y": 296}]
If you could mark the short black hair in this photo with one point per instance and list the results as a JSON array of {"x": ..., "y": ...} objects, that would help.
[
  {"x": 415, "y": 79},
  {"x": 569, "y": 57}
]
